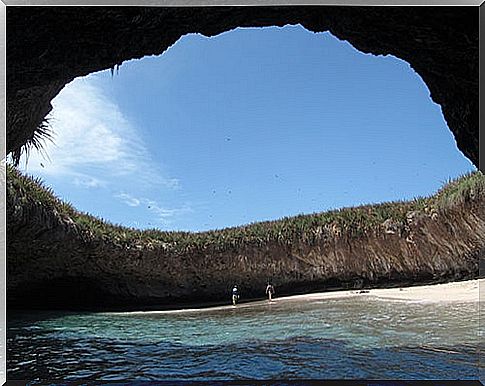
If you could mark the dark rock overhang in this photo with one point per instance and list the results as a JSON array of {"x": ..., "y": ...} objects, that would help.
[{"x": 47, "y": 47}]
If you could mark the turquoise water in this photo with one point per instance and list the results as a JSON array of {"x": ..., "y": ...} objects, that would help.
[{"x": 341, "y": 338}]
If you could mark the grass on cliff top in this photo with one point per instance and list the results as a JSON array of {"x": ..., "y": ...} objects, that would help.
[
  {"x": 460, "y": 190},
  {"x": 353, "y": 221}
]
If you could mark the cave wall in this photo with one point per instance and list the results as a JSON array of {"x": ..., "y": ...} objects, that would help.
[
  {"x": 47, "y": 47},
  {"x": 55, "y": 263}
]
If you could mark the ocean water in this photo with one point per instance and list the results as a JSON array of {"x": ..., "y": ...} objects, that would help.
[{"x": 358, "y": 337}]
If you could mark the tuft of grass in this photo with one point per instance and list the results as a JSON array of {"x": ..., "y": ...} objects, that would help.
[
  {"x": 41, "y": 134},
  {"x": 460, "y": 190},
  {"x": 310, "y": 228}
]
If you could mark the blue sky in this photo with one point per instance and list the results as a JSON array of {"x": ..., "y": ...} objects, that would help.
[{"x": 250, "y": 125}]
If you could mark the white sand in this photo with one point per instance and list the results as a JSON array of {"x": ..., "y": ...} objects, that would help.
[{"x": 462, "y": 291}]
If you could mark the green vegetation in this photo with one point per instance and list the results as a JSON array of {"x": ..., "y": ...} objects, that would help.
[
  {"x": 24, "y": 191},
  {"x": 37, "y": 141},
  {"x": 460, "y": 191}
]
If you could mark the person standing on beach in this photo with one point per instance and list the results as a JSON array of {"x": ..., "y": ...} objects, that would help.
[
  {"x": 270, "y": 291},
  {"x": 235, "y": 295}
]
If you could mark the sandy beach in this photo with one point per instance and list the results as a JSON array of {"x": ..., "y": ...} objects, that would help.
[{"x": 462, "y": 291}]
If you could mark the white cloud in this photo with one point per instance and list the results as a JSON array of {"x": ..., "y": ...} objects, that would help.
[
  {"x": 163, "y": 215},
  {"x": 96, "y": 146},
  {"x": 88, "y": 181},
  {"x": 128, "y": 199},
  {"x": 93, "y": 142},
  {"x": 166, "y": 213}
]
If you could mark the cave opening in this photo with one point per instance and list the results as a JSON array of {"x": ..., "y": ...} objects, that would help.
[
  {"x": 127, "y": 157},
  {"x": 253, "y": 124}
]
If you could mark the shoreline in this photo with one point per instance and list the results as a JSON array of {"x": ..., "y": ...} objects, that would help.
[
  {"x": 468, "y": 291},
  {"x": 458, "y": 291}
]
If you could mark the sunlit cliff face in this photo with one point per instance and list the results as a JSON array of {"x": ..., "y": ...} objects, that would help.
[{"x": 60, "y": 258}]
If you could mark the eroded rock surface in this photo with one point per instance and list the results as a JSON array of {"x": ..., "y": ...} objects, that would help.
[{"x": 53, "y": 260}]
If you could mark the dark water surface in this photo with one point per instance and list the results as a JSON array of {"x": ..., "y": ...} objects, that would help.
[{"x": 341, "y": 338}]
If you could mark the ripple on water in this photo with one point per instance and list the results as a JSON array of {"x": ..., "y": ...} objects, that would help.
[{"x": 343, "y": 338}]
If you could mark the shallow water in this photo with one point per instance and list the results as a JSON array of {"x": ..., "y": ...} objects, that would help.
[{"x": 340, "y": 338}]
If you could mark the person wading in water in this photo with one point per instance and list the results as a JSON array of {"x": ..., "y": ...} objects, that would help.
[{"x": 270, "y": 291}]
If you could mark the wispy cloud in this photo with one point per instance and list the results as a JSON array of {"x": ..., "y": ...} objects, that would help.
[
  {"x": 94, "y": 142},
  {"x": 162, "y": 214},
  {"x": 128, "y": 199},
  {"x": 88, "y": 181}
]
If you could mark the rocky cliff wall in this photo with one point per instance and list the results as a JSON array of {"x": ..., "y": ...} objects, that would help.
[{"x": 54, "y": 260}]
